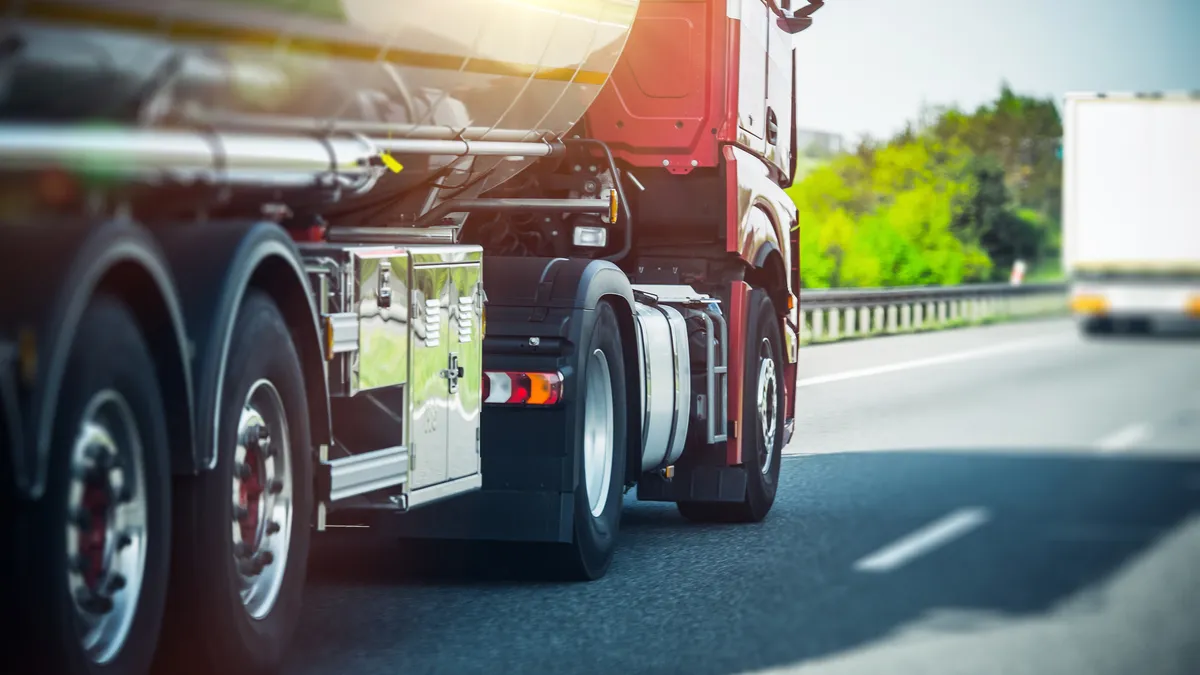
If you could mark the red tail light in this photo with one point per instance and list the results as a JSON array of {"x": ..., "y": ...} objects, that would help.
[{"x": 507, "y": 388}]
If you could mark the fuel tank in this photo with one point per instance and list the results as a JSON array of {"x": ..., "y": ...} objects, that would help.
[{"x": 504, "y": 70}]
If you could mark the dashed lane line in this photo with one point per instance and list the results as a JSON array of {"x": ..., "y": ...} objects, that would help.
[{"x": 938, "y": 533}]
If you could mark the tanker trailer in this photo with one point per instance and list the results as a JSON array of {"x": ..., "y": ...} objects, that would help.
[{"x": 456, "y": 271}]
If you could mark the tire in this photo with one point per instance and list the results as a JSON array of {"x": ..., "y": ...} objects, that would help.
[
  {"x": 761, "y": 451},
  {"x": 109, "y": 413},
  {"x": 1097, "y": 326},
  {"x": 597, "y": 519},
  {"x": 211, "y": 626}
]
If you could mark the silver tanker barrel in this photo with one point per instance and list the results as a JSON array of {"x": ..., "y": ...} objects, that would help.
[{"x": 462, "y": 94}]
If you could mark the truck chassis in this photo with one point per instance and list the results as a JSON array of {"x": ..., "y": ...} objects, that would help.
[{"x": 201, "y": 370}]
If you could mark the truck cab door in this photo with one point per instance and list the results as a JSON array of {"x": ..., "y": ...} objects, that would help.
[
  {"x": 752, "y": 74},
  {"x": 780, "y": 97}
]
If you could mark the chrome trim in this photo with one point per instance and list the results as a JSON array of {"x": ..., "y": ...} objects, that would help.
[
  {"x": 383, "y": 312},
  {"x": 358, "y": 474},
  {"x": 666, "y": 383},
  {"x": 228, "y": 158},
  {"x": 440, "y": 491},
  {"x": 713, "y": 408}
]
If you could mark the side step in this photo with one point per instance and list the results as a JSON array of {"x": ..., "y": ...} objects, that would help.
[{"x": 358, "y": 474}]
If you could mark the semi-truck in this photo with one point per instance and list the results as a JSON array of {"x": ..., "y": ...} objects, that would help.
[
  {"x": 1131, "y": 236},
  {"x": 460, "y": 271}
]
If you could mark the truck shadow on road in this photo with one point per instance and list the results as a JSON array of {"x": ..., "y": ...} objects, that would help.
[{"x": 733, "y": 598}]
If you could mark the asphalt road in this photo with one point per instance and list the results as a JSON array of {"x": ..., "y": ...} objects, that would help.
[{"x": 1008, "y": 499}]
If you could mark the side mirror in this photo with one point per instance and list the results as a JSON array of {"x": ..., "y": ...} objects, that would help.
[
  {"x": 800, "y": 19},
  {"x": 794, "y": 24}
]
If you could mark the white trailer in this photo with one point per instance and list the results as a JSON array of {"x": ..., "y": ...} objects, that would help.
[{"x": 1131, "y": 229}]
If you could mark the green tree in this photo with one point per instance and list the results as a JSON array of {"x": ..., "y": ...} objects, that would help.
[{"x": 954, "y": 198}]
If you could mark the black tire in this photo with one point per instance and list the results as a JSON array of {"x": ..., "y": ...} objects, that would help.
[
  {"x": 763, "y": 341},
  {"x": 110, "y": 378},
  {"x": 590, "y": 553},
  {"x": 209, "y": 628},
  {"x": 1097, "y": 326}
]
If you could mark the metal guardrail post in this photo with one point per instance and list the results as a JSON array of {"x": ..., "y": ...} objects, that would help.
[{"x": 830, "y": 314}]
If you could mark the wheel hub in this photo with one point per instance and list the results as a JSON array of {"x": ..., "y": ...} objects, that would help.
[
  {"x": 598, "y": 432},
  {"x": 106, "y": 524},
  {"x": 262, "y": 498},
  {"x": 768, "y": 399}
]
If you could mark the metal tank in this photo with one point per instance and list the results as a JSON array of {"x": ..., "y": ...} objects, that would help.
[{"x": 294, "y": 87}]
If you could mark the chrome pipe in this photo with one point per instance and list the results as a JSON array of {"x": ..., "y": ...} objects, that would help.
[{"x": 226, "y": 157}]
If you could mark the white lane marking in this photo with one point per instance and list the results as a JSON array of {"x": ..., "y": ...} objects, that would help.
[
  {"x": 1124, "y": 438},
  {"x": 933, "y": 360},
  {"x": 953, "y": 525}
]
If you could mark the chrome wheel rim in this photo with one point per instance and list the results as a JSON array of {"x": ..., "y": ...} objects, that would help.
[
  {"x": 768, "y": 403},
  {"x": 597, "y": 432},
  {"x": 106, "y": 525},
  {"x": 262, "y": 498}
]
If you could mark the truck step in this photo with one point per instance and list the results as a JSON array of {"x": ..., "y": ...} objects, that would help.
[{"x": 358, "y": 474}]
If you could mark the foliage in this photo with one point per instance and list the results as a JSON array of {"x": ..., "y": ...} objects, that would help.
[{"x": 955, "y": 198}]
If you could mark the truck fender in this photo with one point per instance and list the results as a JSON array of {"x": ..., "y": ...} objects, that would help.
[
  {"x": 571, "y": 288},
  {"x": 116, "y": 255},
  {"x": 215, "y": 264}
]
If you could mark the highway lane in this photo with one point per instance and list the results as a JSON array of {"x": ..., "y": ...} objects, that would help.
[
  {"x": 1029, "y": 505},
  {"x": 1033, "y": 386}
]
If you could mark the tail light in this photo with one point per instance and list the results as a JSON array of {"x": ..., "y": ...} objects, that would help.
[{"x": 508, "y": 388}]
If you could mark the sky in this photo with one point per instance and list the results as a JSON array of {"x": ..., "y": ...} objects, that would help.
[{"x": 869, "y": 65}]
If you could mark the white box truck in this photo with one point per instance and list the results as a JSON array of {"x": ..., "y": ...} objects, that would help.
[{"x": 1131, "y": 229}]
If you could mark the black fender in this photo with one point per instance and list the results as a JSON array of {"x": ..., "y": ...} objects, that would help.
[
  {"x": 216, "y": 263},
  {"x": 555, "y": 298},
  {"x": 764, "y": 251},
  {"x": 770, "y": 272},
  {"x": 528, "y": 466},
  {"x": 56, "y": 269}
]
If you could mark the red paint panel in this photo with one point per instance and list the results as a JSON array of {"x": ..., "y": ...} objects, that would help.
[
  {"x": 733, "y": 204},
  {"x": 739, "y": 294},
  {"x": 674, "y": 91}
]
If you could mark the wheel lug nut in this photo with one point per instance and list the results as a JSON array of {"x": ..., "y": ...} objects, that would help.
[
  {"x": 272, "y": 527},
  {"x": 115, "y": 583},
  {"x": 99, "y": 456},
  {"x": 275, "y": 486},
  {"x": 81, "y": 518},
  {"x": 251, "y": 567},
  {"x": 94, "y": 603},
  {"x": 264, "y": 558},
  {"x": 124, "y": 540}
]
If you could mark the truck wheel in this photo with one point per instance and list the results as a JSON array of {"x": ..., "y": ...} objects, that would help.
[
  {"x": 98, "y": 540},
  {"x": 601, "y": 453},
  {"x": 240, "y": 569},
  {"x": 762, "y": 420},
  {"x": 1097, "y": 326}
]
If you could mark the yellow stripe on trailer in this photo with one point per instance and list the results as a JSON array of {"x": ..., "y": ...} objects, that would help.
[{"x": 1089, "y": 304}]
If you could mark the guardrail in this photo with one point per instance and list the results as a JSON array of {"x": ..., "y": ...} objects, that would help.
[{"x": 833, "y": 314}]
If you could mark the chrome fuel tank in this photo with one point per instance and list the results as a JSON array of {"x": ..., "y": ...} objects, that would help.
[{"x": 504, "y": 70}]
